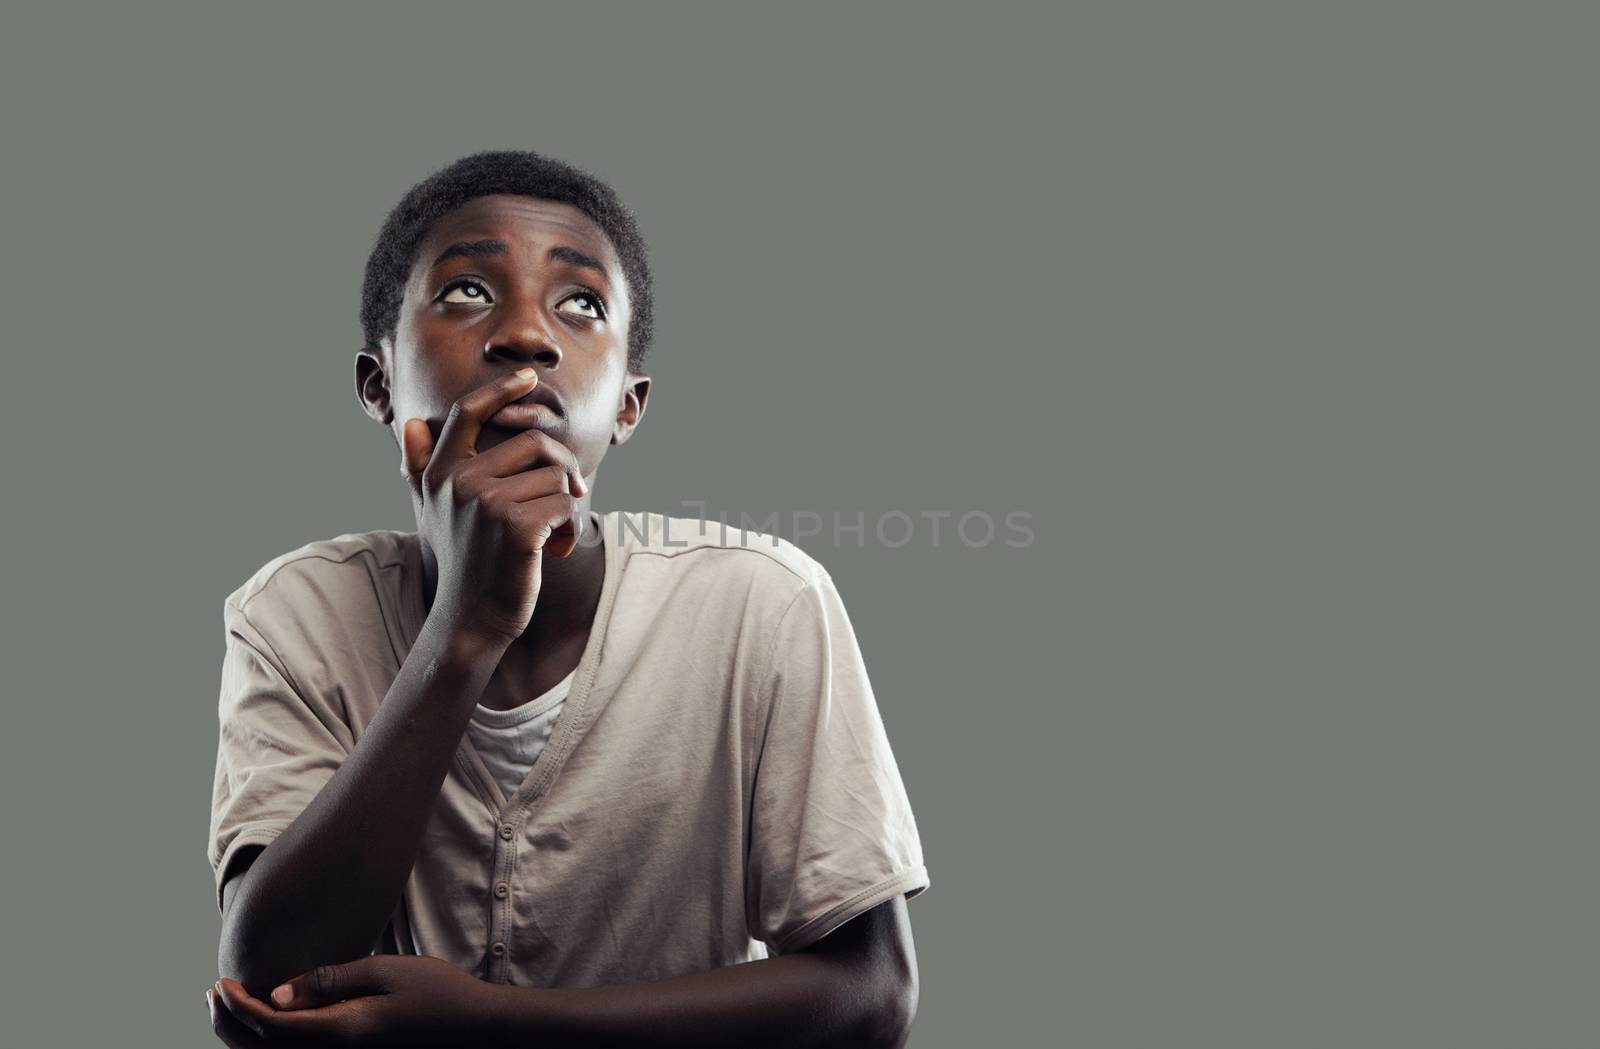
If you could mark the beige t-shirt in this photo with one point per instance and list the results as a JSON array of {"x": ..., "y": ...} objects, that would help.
[{"x": 719, "y": 786}]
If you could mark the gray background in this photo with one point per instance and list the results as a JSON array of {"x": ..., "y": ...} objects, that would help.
[{"x": 1277, "y": 318}]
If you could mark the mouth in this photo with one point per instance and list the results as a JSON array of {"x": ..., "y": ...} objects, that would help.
[{"x": 539, "y": 407}]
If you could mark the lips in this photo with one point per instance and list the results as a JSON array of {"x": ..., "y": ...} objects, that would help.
[{"x": 539, "y": 407}]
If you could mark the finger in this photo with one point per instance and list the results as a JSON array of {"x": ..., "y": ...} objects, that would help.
[
  {"x": 228, "y": 1029},
  {"x": 562, "y": 541},
  {"x": 530, "y": 448},
  {"x": 552, "y": 521},
  {"x": 305, "y": 1027},
  {"x": 327, "y": 984},
  {"x": 416, "y": 447},
  {"x": 459, "y": 438},
  {"x": 245, "y": 1009},
  {"x": 550, "y": 479}
]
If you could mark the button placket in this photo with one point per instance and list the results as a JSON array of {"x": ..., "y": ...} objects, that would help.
[{"x": 505, "y": 862}]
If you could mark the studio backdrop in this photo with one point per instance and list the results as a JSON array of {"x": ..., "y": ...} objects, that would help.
[{"x": 1194, "y": 406}]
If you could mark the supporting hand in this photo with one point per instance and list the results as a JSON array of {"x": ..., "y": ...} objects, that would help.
[{"x": 386, "y": 999}]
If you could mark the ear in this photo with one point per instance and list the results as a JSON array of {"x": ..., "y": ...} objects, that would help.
[
  {"x": 634, "y": 395},
  {"x": 372, "y": 384}
]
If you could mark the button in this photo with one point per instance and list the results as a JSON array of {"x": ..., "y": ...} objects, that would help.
[
  {"x": 498, "y": 949},
  {"x": 506, "y": 831},
  {"x": 502, "y": 890}
]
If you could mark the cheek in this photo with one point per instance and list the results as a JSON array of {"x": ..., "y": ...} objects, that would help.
[
  {"x": 590, "y": 428},
  {"x": 425, "y": 386},
  {"x": 590, "y": 436},
  {"x": 433, "y": 364}
]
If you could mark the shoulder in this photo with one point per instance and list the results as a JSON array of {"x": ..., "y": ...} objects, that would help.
[
  {"x": 697, "y": 553},
  {"x": 693, "y": 544},
  {"x": 325, "y": 586}
]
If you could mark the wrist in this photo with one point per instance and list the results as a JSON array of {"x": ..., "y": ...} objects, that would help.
[
  {"x": 463, "y": 644},
  {"x": 511, "y": 1015}
]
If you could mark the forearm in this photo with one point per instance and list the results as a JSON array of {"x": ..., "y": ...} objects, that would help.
[
  {"x": 324, "y": 889},
  {"x": 791, "y": 1000}
]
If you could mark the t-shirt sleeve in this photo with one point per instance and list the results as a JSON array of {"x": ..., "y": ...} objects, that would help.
[
  {"x": 276, "y": 746},
  {"x": 831, "y": 829}
]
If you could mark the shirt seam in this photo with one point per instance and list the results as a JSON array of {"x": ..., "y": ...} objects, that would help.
[
  {"x": 656, "y": 552},
  {"x": 905, "y": 874},
  {"x": 277, "y": 660},
  {"x": 766, "y": 673},
  {"x": 365, "y": 551},
  {"x": 255, "y": 832},
  {"x": 761, "y": 745}
]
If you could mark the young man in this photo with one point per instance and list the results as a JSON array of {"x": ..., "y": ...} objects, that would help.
[{"x": 534, "y": 774}]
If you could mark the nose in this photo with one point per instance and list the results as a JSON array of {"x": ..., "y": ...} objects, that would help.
[{"x": 521, "y": 339}]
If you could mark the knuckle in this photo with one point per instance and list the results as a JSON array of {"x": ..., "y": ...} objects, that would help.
[
  {"x": 324, "y": 981},
  {"x": 525, "y": 530},
  {"x": 494, "y": 502},
  {"x": 464, "y": 489}
]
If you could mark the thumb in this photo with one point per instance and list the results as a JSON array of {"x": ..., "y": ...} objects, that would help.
[
  {"x": 327, "y": 984},
  {"x": 416, "y": 448}
]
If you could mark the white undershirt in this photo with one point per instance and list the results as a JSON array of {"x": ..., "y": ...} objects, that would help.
[{"x": 510, "y": 740}]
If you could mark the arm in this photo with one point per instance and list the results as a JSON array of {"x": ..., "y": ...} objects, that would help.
[
  {"x": 856, "y": 986},
  {"x": 287, "y": 914},
  {"x": 325, "y": 887}
]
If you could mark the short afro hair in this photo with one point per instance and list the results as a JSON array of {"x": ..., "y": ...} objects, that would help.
[{"x": 485, "y": 174}]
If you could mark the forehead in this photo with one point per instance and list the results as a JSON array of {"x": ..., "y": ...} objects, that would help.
[{"x": 523, "y": 223}]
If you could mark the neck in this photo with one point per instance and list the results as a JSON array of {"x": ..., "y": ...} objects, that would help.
[{"x": 569, "y": 590}]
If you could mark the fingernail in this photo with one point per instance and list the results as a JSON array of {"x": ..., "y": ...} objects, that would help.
[
  {"x": 523, "y": 373},
  {"x": 208, "y": 999},
  {"x": 282, "y": 994}
]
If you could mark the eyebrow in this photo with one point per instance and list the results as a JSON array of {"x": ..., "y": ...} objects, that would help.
[{"x": 477, "y": 249}]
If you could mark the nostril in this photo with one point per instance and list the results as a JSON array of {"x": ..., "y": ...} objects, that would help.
[{"x": 525, "y": 346}]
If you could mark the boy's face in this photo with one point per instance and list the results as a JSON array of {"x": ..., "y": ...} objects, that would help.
[{"x": 506, "y": 282}]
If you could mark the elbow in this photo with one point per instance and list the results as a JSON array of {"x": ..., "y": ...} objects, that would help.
[
  {"x": 889, "y": 1026},
  {"x": 235, "y": 947},
  {"x": 230, "y": 947},
  {"x": 234, "y": 960},
  {"x": 248, "y": 969},
  {"x": 243, "y": 957}
]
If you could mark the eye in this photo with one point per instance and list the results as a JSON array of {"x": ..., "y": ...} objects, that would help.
[
  {"x": 465, "y": 290},
  {"x": 590, "y": 302}
]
